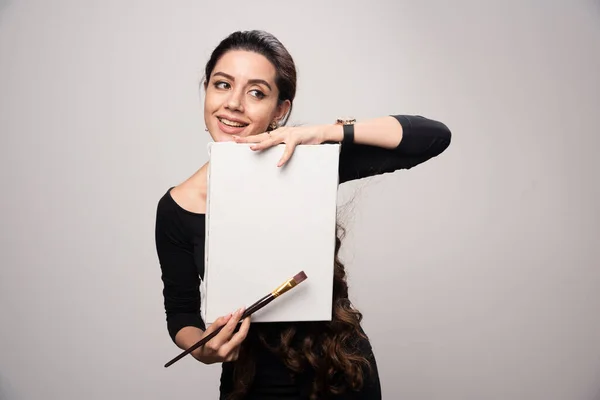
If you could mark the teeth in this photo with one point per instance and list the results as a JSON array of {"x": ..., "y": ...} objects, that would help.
[{"x": 231, "y": 123}]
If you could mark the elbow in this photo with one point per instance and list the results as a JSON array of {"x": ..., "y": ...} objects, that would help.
[
  {"x": 442, "y": 138},
  {"x": 424, "y": 137},
  {"x": 176, "y": 321}
]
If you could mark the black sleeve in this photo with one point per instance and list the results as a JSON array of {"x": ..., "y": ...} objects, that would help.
[
  {"x": 422, "y": 139},
  {"x": 178, "y": 271}
]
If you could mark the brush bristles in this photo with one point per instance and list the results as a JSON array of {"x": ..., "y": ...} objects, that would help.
[{"x": 300, "y": 277}]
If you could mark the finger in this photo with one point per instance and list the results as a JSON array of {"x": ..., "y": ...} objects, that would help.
[
  {"x": 252, "y": 138},
  {"x": 266, "y": 144},
  {"x": 241, "y": 334},
  {"x": 233, "y": 355},
  {"x": 215, "y": 342},
  {"x": 218, "y": 323},
  {"x": 225, "y": 335},
  {"x": 236, "y": 354},
  {"x": 273, "y": 138},
  {"x": 233, "y": 346},
  {"x": 287, "y": 153}
]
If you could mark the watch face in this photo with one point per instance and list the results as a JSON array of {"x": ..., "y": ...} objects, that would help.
[{"x": 346, "y": 121}]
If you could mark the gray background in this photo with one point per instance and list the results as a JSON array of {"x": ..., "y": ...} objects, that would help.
[{"x": 478, "y": 272}]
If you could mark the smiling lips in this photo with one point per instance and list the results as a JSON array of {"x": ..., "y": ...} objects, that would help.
[
  {"x": 229, "y": 126},
  {"x": 232, "y": 122}
]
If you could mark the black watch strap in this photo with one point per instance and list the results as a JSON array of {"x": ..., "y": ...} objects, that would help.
[{"x": 348, "y": 134}]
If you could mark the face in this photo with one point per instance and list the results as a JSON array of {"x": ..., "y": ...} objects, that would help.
[{"x": 241, "y": 96}]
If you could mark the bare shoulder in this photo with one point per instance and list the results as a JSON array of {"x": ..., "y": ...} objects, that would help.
[{"x": 191, "y": 193}]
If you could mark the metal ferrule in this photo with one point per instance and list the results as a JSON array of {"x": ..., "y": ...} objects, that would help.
[{"x": 284, "y": 287}]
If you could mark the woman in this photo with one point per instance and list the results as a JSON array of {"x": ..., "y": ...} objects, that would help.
[{"x": 250, "y": 85}]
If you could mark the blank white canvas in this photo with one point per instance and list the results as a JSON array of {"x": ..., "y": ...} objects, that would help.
[{"x": 264, "y": 225}]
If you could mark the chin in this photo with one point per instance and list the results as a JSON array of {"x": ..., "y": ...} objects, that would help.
[
  {"x": 218, "y": 136},
  {"x": 223, "y": 137}
]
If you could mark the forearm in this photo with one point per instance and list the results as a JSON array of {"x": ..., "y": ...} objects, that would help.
[
  {"x": 389, "y": 144},
  {"x": 384, "y": 132},
  {"x": 187, "y": 337}
]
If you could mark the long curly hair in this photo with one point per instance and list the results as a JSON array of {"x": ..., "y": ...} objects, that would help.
[{"x": 328, "y": 350}]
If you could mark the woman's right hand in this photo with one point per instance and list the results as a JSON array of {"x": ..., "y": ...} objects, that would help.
[{"x": 225, "y": 346}]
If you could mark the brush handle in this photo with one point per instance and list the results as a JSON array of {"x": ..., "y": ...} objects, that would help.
[
  {"x": 249, "y": 311},
  {"x": 258, "y": 305},
  {"x": 195, "y": 346}
]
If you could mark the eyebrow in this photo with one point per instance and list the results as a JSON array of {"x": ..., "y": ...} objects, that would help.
[{"x": 251, "y": 81}]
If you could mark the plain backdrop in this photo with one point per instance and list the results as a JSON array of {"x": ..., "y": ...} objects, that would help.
[{"x": 478, "y": 272}]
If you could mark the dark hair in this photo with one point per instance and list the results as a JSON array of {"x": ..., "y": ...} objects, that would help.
[
  {"x": 329, "y": 350},
  {"x": 270, "y": 47}
]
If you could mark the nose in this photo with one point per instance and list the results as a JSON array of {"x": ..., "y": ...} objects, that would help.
[{"x": 235, "y": 102}]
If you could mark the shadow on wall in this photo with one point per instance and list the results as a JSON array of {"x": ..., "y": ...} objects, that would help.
[
  {"x": 6, "y": 391},
  {"x": 3, "y": 6},
  {"x": 597, "y": 394}
]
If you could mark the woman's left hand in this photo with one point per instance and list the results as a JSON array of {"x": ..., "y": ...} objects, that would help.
[{"x": 291, "y": 136}]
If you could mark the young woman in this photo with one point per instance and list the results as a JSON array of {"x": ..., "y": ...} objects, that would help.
[{"x": 250, "y": 85}]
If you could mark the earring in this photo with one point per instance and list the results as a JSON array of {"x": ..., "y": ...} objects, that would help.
[
  {"x": 205, "y": 129},
  {"x": 273, "y": 125}
]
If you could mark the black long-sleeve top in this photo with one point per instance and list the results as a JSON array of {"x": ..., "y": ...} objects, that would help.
[{"x": 180, "y": 233}]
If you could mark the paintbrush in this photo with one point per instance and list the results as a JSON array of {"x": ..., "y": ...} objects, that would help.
[{"x": 284, "y": 287}]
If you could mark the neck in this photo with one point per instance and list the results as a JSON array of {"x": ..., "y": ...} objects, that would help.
[
  {"x": 200, "y": 180},
  {"x": 197, "y": 185}
]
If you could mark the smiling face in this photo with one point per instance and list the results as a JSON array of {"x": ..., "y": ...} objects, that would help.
[{"x": 241, "y": 96}]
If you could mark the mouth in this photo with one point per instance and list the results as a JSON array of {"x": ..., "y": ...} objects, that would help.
[{"x": 232, "y": 123}]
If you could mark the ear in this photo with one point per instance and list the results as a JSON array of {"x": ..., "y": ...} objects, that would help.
[
  {"x": 282, "y": 110},
  {"x": 205, "y": 84}
]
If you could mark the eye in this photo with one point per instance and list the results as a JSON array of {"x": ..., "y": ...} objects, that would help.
[
  {"x": 221, "y": 85},
  {"x": 257, "y": 93}
]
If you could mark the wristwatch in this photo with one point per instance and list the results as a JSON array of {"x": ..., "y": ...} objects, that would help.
[{"x": 348, "y": 125}]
